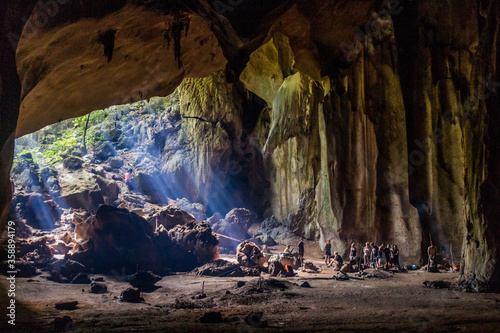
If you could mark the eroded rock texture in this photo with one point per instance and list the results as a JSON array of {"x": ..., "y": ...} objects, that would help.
[{"x": 373, "y": 121}]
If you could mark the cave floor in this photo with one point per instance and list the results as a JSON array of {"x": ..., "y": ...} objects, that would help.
[{"x": 398, "y": 303}]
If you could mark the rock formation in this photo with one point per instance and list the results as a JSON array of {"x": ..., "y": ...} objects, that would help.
[{"x": 346, "y": 120}]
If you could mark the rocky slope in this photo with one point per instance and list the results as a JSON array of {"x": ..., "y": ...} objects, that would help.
[{"x": 375, "y": 120}]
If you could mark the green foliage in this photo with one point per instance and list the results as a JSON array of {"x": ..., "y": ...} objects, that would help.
[
  {"x": 95, "y": 118},
  {"x": 51, "y": 144},
  {"x": 64, "y": 146}
]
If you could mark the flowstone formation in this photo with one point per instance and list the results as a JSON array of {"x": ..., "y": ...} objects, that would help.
[{"x": 359, "y": 120}]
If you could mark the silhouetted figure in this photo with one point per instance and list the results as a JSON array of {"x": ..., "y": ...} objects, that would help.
[
  {"x": 301, "y": 248},
  {"x": 328, "y": 253},
  {"x": 431, "y": 252}
]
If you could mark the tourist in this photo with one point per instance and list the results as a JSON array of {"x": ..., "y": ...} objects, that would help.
[
  {"x": 431, "y": 252},
  {"x": 391, "y": 255},
  {"x": 379, "y": 259},
  {"x": 374, "y": 253},
  {"x": 301, "y": 248},
  {"x": 287, "y": 250},
  {"x": 353, "y": 252},
  {"x": 396, "y": 255},
  {"x": 387, "y": 253},
  {"x": 337, "y": 261},
  {"x": 366, "y": 254},
  {"x": 328, "y": 253},
  {"x": 128, "y": 177}
]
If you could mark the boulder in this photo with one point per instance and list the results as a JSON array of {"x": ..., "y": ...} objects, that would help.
[
  {"x": 60, "y": 247},
  {"x": 131, "y": 295},
  {"x": 55, "y": 276},
  {"x": 195, "y": 209},
  {"x": 38, "y": 244},
  {"x": 214, "y": 219},
  {"x": 70, "y": 268},
  {"x": 225, "y": 268},
  {"x": 109, "y": 188},
  {"x": 81, "y": 278},
  {"x": 115, "y": 162},
  {"x": 275, "y": 268},
  {"x": 98, "y": 288},
  {"x": 73, "y": 162},
  {"x": 249, "y": 254},
  {"x": 195, "y": 243},
  {"x": 305, "y": 284},
  {"x": 37, "y": 210},
  {"x": 62, "y": 324},
  {"x": 104, "y": 150},
  {"x": 86, "y": 199},
  {"x": 143, "y": 280},
  {"x": 66, "y": 305},
  {"x": 267, "y": 240},
  {"x": 171, "y": 216},
  {"x": 254, "y": 319},
  {"x": 147, "y": 183},
  {"x": 235, "y": 225},
  {"x": 120, "y": 239}
]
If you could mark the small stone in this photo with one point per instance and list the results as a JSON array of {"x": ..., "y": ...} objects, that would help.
[
  {"x": 305, "y": 284},
  {"x": 144, "y": 279},
  {"x": 81, "y": 278},
  {"x": 98, "y": 288},
  {"x": 240, "y": 284},
  {"x": 66, "y": 305},
  {"x": 131, "y": 295}
]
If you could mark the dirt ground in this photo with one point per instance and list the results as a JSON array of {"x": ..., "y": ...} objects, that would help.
[{"x": 397, "y": 303}]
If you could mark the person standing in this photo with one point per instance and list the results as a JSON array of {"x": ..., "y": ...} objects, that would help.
[
  {"x": 387, "y": 253},
  {"x": 391, "y": 254},
  {"x": 353, "y": 252},
  {"x": 379, "y": 259},
  {"x": 374, "y": 254},
  {"x": 366, "y": 254},
  {"x": 128, "y": 178},
  {"x": 396, "y": 255},
  {"x": 301, "y": 248},
  {"x": 328, "y": 253},
  {"x": 431, "y": 252}
]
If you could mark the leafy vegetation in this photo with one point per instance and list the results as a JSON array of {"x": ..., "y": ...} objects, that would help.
[{"x": 53, "y": 143}]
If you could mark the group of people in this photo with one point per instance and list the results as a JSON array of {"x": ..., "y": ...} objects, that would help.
[{"x": 372, "y": 255}]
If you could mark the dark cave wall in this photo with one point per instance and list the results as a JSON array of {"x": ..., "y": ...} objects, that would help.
[{"x": 11, "y": 25}]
